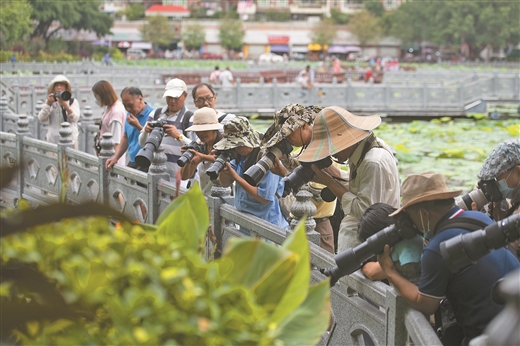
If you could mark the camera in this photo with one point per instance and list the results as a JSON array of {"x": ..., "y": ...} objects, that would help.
[
  {"x": 256, "y": 173},
  {"x": 63, "y": 95},
  {"x": 465, "y": 249},
  {"x": 487, "y": 192},
  {"x": 352, "y": 259},
  {"x": 188, "y": 155},
  {"x": 303, "y": 174},
  {"x": 145, "y": 155},
  {"x": 220, "y": 163},
  {"x": 158, "y": 123}
]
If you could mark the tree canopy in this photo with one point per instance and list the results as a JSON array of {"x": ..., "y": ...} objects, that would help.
[
  {"x": 365, "y": 26},
  {"x": 375, "y": 7},
  {"x": 15, "y": 21},
  {"x": 78, "y": 14},
  {"x": 193, "y": 36},
  {"x": 231, "y": 34},
  {"x": 158, "y": 30},
  {"x": 324, "y": 33}
]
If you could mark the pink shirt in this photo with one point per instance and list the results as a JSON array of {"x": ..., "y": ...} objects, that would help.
[{"x": 113, "y": 121}]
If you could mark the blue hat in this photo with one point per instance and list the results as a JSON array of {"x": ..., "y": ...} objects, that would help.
[{"x": 504, "y": 157}]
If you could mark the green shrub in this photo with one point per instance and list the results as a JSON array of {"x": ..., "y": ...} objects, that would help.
[{"x": 142, "y": 284}]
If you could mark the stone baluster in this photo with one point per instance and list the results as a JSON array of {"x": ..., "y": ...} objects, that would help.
[
  {"x": 3, "y": 111},
  {"x": 86, "y": 138},
  {"x": 40, "y": 126},
  {"x": 156, "y": 173},
  {"x": 107, "y": 151},
  {"x": 23, "y": 125},
  {"x": 301, "y": 207},
  {"x": 66, "y": 135}
]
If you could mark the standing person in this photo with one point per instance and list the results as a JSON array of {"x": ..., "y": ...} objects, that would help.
[
  {"x": 431, "y": 208},
  {"x": 294, "y": 124},
  {"x": 56, "y": 110},
  {"x": 226, "y": 77},
  {"x": 373, "y": 174},
  {"x": 207, "y": 128},
  {"x": 205, "y": 96},
  {"x": 13, "y": 59},
  {"x": 178, "y": 119},
  {"x": 113, "y": 118},
  {"x": 106, "y": 59},
  {"x": 138, "y": 113},
  {"x": 214, "y": 77},
  {"x": 260, "y": 200},
  {"x": 336, "y": 67},
  {"x": 310, "y": 74}
]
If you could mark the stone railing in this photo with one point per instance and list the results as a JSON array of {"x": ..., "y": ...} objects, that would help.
[
  {"x": 406, "y": 98},
  {"x": 362, "y": 310}
]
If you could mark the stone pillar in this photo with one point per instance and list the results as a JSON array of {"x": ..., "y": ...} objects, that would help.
[
  {"x": 23, "y": 125},
  {"x": 301, "y": 207},
  {"x": 21, "y": 132},
  {"x": 107, "y": 151},
  {"x": 38, "y": 124},
  {"x": 85, "y": 138},
  {"x": 156, "y": 173},
  {"x": 66, "y": 135},
  {"x": 3, "y": 111}
]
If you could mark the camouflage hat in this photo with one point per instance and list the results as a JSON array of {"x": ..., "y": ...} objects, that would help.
[
  {"x": 504, "y": 157},
  {"x": 238, "y": 133},
  {"x": 287, "y": 120}
]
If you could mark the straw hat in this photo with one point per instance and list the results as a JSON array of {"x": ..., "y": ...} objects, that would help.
[
  {"x": 238, "y": 133},
  {"x": 175, "y": 88},
  {"x": 336, "y": 129},
  {"x": 424, "y": 187},
  {"x": 205, "y": 119}
]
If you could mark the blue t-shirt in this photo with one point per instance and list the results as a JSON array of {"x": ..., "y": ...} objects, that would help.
[
  {"x": 469, "y": 290},
  {"x": 269, "y": 186},
  {"x": 133, "y": 134}
]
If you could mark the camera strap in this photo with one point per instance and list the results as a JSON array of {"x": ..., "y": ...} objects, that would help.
[
  {"x": 466, "y": 223},
  {"x": 252, "y": 159},
  {"x": 367, "y": 146},
  {"x": 64, "y": 112}
]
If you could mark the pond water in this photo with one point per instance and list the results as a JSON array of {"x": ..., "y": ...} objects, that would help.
[{"x": 456, "y": 148}]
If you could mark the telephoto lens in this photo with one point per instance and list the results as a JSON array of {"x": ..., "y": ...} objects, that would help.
[
  {"x": 145, "y": 156},
  {"x": 188, "y": 155},
  {"x": 256, "y": 173},
  {"x": 220, "y": 163},
  {"x": 64, "y": 95},
  {"x": 303, "y": 174}
]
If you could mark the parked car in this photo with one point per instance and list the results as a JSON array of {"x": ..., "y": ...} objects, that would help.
[
  {"x": 213, "y": 56},
  {"x": 270, "y": 57},
  {"x": 135, "y": 54}
]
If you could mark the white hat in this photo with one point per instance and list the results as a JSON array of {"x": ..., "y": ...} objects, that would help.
[
  {"x": 205, "y": 119},
  {"x": 175, "y": 88}
]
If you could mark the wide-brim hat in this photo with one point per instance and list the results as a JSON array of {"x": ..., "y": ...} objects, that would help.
[
  {"x": 175, "y": 88},
  {"x": 238, "y": 133},
  {"x": 336, "y": 129},
  {"x": 205, "y": 119},
  {"x": 59, "y": 79},
  {"x": 287, "y": 120},
  {"x": 424, "y": 187}
]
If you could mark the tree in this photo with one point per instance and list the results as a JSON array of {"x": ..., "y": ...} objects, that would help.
[
  {"x": 15, "y": 21},
  {"x": 324, "y": 33},
  {"x": 134, "y": 11},
  {"x": 231, "y": 34},
  {"x": 375, "y": 7},
  {"x": 158, "y": 31},
  {"x": 194, "y": 36},
  {"x": 79, "y": 14},
  {"x": 366, "y": 27},
  {"x": 339, "y": 17},
  {"x": 412, "y": 22}
]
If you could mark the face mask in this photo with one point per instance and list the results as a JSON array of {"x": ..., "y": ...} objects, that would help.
[
  {"x": 506, "y": 191},
  {"x": 427, "y": 233},
  {"x": 98, "y": 102}
]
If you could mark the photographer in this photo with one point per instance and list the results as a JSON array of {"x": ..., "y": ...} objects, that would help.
[
  {"x": 207, "y": 128},
  {"x": 431, "y": 208},
  {"x": 56, "y": 110},
  {"x": 294, "y": 123},
  {"x": 260, "y": 200},
  {"x": 175, "y": 114},
  {"x": 373, "y": 175}
]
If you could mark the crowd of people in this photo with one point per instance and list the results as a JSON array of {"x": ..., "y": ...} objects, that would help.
[{"x": 361, "y": 180}]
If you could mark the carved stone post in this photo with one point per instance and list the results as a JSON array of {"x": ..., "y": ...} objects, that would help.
[
  {"x": 39, "y": 125},
  {"x": 66, "y": 135},
  {"x": 23, "y": 125},
  {"x": 21, "y": 132},
  {"x": 85, "y": 138},
  {"x": 107, "y": 151},
  {"x": 156, "y": 173},
  {"x": 3, "y": 111},
  {"x": 301, "y": 207}
]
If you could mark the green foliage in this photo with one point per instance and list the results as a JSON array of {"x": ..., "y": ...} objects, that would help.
[
  {"x": 197, "y": 11},
  {"x": 366, "y": 27},
  {"x": 194, "y": 36},
  {"x": 158, "y": 30},
  {"x": 15, "y": 21},
  {"x": 375, "y": 7},
  {"x": 231, "y": 34},
  {"x": 324, "y": 33},
  {"x": 133, "y": 285},
  {"x": 134, "y": 11},
  {"x": 339, "y": 17},
  {"x": 273, "y": 15},
  {"x": 79, "y": 14}
]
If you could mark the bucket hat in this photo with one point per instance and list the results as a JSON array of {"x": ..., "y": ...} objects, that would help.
[
  {"x": 424, "y": 187},
  {"x": 175, "y": 88},
  {"x": 287, "y": 120},
  {"x": 238, "y": 133},
  {"x": 205, "y": 119},
  {"x": 336, "y": 129},
  {"x": 504, "y": 157},
  {"x": 59, "y": 79}
]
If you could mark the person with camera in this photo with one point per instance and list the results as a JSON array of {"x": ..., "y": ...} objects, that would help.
[
  {"x": 373, "y": 174},
  {"x": 174, "y": 118},
  {"x": 503, "y": 168},
  {"x": 113, "y": 118},
  {"x": 260, "y": 200},
  {"x": 138, "y": 112},
  {"x": 60, "y": 107},
  {"x": 207, "y": 128},
  {"x": 294, "y": 123},
  {"x": 430, "y": 206}
]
